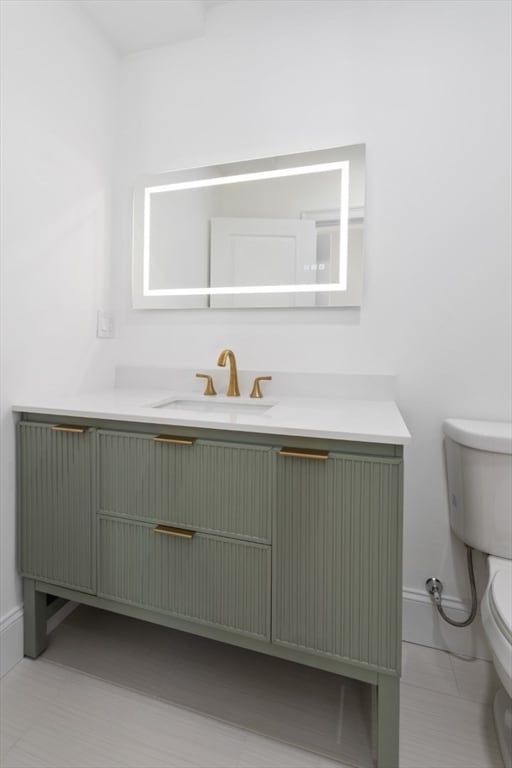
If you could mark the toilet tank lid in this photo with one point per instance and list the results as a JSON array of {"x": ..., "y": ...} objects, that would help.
[{"x": 494, "y": 436}]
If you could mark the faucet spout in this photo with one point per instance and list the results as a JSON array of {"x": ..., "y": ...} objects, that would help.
[{"x": 228, "y": 354}]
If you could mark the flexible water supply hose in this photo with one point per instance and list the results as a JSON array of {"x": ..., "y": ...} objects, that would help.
[{"x": 471, "y": 617}]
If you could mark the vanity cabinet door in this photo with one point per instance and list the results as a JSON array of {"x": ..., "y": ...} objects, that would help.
[
  {"x": 207, "y": 579},
  {"x": 56, "y": 503},
  {"x": 337, "y": 558},
  {"x": 218, "y": 487}
]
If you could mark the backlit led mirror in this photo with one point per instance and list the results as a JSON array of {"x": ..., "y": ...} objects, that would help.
[{"x": 283, "y": 231}]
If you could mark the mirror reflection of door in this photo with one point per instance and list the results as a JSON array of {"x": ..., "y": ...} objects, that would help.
[{"x": 264, "y": 252}]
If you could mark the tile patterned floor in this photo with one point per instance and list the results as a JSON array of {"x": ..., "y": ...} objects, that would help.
[{"x": 53, "y": 717}]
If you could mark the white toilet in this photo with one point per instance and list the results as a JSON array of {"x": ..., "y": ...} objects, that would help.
[{"x": 479, "y": 466}]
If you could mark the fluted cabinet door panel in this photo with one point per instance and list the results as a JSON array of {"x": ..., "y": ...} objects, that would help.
[
  {"x": 57, "y": 505},
  {"x": 337, "y": 558},
  {"x": 209, "y": 579},
  {"x": 219, "y": 487}
]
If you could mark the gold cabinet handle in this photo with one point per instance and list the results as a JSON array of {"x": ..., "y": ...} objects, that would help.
[
  {"x": 301, "y": 453},
  {"x": 256, "y": 389},
  {"x": 174, "y": 440},
  {"x": 168, "y": 530},
  {"x": 66, "y": 428},
  {"x": 209, "y": 389}
]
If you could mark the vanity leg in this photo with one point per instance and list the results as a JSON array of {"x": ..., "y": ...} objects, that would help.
[
  {"x": 34, "y": 619},
  {"x": 388, "y": 716}
]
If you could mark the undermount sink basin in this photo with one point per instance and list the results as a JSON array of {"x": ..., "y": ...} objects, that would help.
[{"x": 255, "y": 407}]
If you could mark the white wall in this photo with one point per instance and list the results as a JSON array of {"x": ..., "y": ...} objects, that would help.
[
  {"x": 59, "y": 85},
  {"x": 426, "y": 85}
]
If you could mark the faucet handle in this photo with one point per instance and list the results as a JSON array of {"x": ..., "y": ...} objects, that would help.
[
  {"x": 256, "y": 389},
  {"x": 209, "y": 389}
]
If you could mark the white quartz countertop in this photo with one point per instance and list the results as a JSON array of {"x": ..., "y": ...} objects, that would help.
[{"x": 365, "y": 420}]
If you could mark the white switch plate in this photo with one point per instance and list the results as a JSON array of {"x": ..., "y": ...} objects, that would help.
[{"x": 105, "y": 325}]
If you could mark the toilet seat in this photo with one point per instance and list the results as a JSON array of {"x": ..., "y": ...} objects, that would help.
[
  {"x": 496, "y": 612},
  {"x": 500, "y": 600}
]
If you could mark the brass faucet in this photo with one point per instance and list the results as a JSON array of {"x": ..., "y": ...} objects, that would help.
[
  {"x": 209, "y": 389},
  {"x": 256, "y": 389},
  {"x": 227, "y": 354}
]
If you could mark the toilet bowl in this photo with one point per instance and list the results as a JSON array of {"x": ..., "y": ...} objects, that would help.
[
  {"x": 479, "y": 470},
  {"x": 496, "y": 609}
]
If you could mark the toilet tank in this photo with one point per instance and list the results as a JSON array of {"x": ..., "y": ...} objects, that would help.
[{"x": 479, "y": 470}]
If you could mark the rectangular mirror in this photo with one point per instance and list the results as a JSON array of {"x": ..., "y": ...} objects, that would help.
[{"x": 283, "y": 231}]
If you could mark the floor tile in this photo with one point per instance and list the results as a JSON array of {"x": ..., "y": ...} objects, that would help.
[
  {"x": 157, "y": 733},
  {"x": 314, "y": 710},
  {"x": 128, "y": 730},
  {"x": 440, "y": 731},
  {"x": 326, "y": 763},
  {"x": 428, "y": 668},
  {"x": 476, "y": 679},
  {"x": 9, "y": 735},
  {"x": 19, "y": 758},
  {"x": 25, "y": 693},
  {"x": 263, "y": 753},
  {"x": 57, "y": 717}
]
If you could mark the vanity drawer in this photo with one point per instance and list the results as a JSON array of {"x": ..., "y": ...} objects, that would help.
[
  {"x": 207, "y": 579},
  {"x": 223, "y": 488}
]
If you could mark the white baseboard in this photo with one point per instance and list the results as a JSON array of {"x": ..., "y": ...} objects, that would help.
[
  {"x": 11, "y": 639},
  {"x": 422, "y": 624}
]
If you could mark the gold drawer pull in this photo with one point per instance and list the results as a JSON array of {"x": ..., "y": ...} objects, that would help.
[
  {"x": 300, "y": 453},
  {"x": 181, "y": 533},
  {"x": 174, "y": 440},
  {"x": 66, "y": 428}
]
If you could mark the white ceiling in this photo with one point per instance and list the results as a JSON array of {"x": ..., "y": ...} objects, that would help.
[{"x": 134, "y": 25}]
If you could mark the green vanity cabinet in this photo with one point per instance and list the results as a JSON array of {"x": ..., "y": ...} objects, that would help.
[
  {"x": 290, "y": 546},
  {"x": 337, "y": 564},
  {"x": 57, "y": 504}
]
